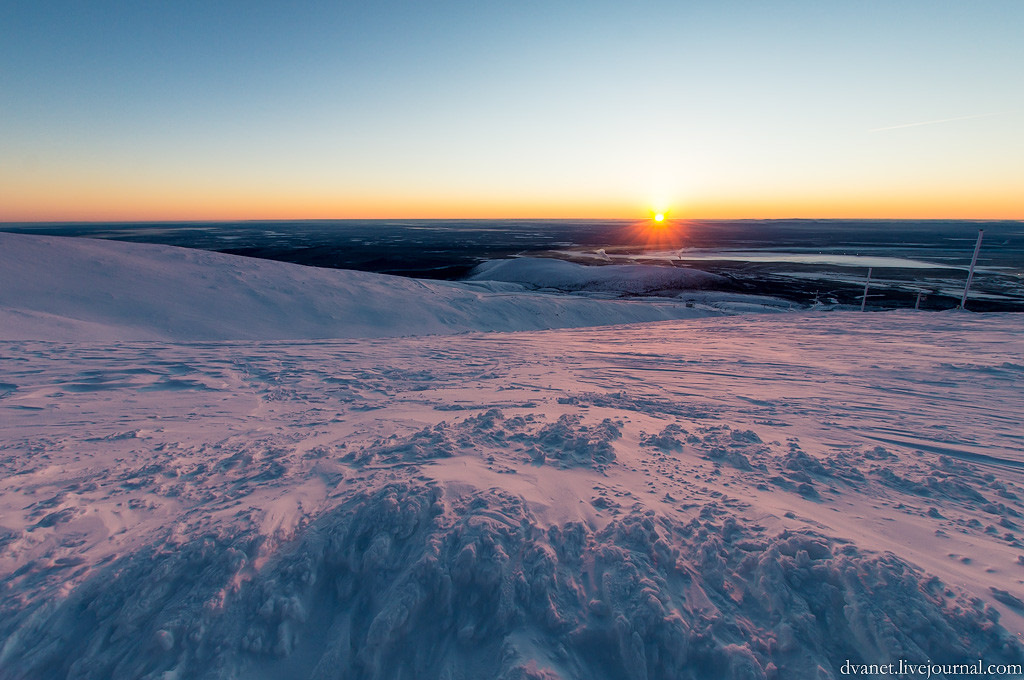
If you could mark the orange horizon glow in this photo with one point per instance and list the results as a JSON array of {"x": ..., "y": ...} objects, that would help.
[
  {"x": 118, "y": 217},
  {"x": 75, "y": 196},
  {"x": 71, "y": 199},
  {"x": 243, "y": 207}
]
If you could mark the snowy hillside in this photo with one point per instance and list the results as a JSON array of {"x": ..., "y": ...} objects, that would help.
[
  {"x": 761, "y": 496},
  {"x": 82, "y": 289}
]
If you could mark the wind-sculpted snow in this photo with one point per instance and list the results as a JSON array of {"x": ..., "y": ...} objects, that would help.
[
  {"x": 564, "y": 443},
  {"x": 411, "y": 581}
]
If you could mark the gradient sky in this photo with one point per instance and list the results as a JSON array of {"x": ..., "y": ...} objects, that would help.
[{"x": 180, "y": 109}]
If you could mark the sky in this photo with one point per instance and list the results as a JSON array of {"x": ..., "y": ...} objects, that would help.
[{"x": 182, "y": 109}]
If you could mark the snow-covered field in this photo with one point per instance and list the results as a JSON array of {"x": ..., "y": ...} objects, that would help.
[{"x": 216, "y": 467}]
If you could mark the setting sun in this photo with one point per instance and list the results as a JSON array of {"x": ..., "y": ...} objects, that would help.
[{"x": 659, "y": 217}]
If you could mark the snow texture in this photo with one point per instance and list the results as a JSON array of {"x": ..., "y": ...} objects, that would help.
[{"x": 765, "y": 496}]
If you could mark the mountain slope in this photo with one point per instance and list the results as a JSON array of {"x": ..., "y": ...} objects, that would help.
[{"x": 82, "y": 289}]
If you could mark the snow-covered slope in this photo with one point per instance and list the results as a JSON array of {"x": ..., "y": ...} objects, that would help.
[
  {"x": 82, "y": 289},
  {"x": 533, "y": 272},
  {"x": 761, "y": 496}
]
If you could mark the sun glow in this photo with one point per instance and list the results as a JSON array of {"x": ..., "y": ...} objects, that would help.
[
  {"x": 660, "y": 214},
  {"x": 659, "y": 231}
]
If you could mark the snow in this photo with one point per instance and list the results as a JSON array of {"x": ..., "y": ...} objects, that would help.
[
  {"x": 756, "y": 496},
  {"x": 82, "y": 289},
  {"x": 534, "y": 273}
]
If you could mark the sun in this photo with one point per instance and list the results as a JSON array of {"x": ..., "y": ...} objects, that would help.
[
  {"x": 658, "y": 230},
  {"x": 660, "y": 215}
]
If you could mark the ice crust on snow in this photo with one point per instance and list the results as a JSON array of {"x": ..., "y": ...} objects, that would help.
[{"x": 748, "y": 497}]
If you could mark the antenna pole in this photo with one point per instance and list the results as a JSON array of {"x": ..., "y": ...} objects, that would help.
[{"x": 970, "y": 273}]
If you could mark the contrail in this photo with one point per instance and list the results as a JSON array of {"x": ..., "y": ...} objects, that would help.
[{"x": 935, "y": 122}]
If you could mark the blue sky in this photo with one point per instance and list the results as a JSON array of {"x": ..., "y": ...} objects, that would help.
[{"x": 134, "y": 110}]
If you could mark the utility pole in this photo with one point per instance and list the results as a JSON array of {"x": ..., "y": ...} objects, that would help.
[
  {"x": 864, "y": 300},
  {"x": 970, "y": 273}
]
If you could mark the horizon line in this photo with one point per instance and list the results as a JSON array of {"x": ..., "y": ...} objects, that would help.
[{"x": 514, "y": 219}]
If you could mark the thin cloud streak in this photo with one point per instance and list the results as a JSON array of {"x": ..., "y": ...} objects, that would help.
[{"x": 936, "y": 122}]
